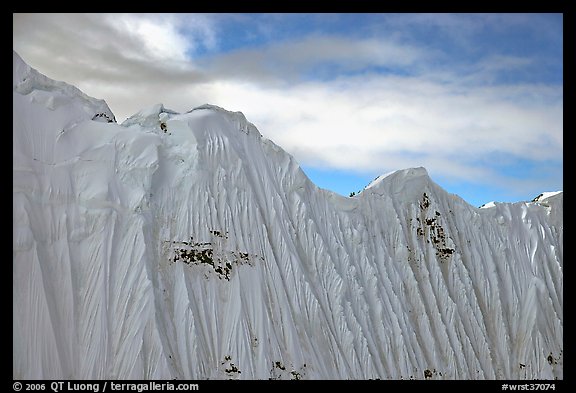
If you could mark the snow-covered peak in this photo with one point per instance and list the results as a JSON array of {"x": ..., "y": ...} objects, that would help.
[
  {"x": 378, "y": 179},
  {"x": 204, "y": 118},
  {"x": 150, "y": 117},
  {"x": 410, "y": 183},
  {"x": 184, "y": 245},
  {"x": 54, "y": 94},
  {"x": 236, "y": 118},
  {"x": 542, "y": 199},
  {"x": 546, "y": 195}
]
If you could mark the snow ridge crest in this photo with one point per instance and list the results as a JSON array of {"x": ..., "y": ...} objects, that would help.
[{"x": 54, "y": 94}]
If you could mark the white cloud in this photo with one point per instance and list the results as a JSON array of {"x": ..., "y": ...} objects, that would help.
[
  {"x": 160, "y": 39},
  {"x": 390, "y": 122}
]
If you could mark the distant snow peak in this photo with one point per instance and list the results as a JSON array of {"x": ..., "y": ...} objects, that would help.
[
  {"x": 545, "y": 195},
  {"x": 541, "y": 199}
]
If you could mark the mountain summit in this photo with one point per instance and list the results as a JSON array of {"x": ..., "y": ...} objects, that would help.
[{"x": 189, "y": 246}]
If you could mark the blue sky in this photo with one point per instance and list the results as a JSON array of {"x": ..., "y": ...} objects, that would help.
[{"x": 476, "y": 99}]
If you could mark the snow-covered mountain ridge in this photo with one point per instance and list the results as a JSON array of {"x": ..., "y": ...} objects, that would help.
[{"x": 189, "y": 246}]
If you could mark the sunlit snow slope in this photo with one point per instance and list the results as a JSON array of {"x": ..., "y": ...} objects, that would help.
[{"x": 188, "y": 246}]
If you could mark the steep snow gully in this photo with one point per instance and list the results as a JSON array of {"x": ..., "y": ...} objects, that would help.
[{"x": 188, "y": 246}]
